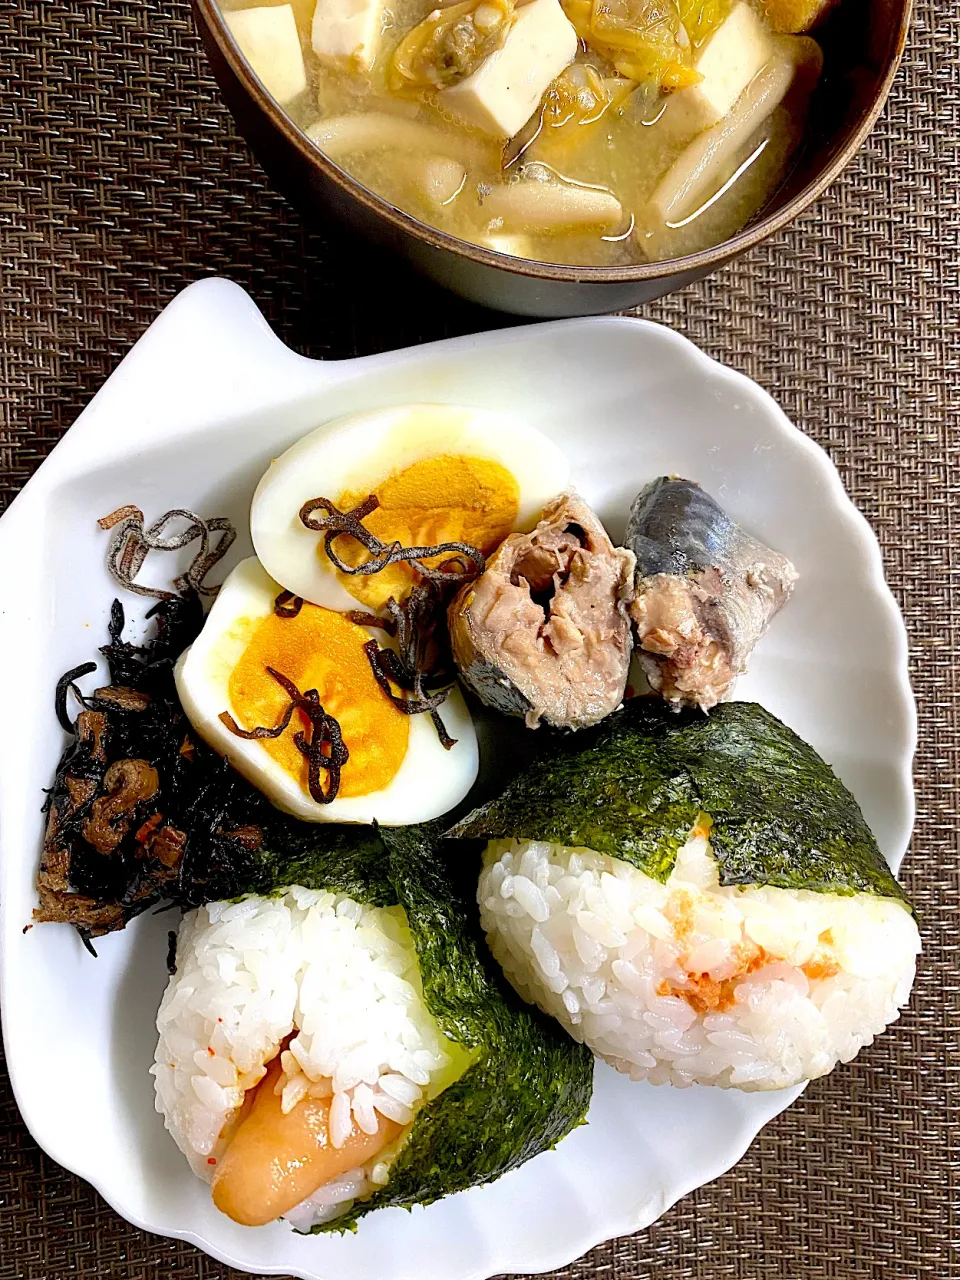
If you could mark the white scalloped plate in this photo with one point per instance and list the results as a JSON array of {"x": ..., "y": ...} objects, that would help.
[{"x": 191, "y": 418}]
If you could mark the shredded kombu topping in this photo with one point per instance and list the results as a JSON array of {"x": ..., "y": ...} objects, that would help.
[
  {"x": 364, "y": 619},
  {"x": 287, "y": 605},
  {"x": 323, "y": 746},
  {"x": 139, "y": 812},
  {"x": 131, "y": 541},
  {"x": 417, "y": 677},
  {"x": 336, "y": 523},
  {"x": 143, "y": 813}
]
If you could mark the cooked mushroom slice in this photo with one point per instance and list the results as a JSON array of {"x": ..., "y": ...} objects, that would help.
[
  {"x": 438, "y": 179},
  {"x": 547, "y": 206},
  {"x": 544, "y": 633},
  {"x": 701, "y": 167},
  {"x": 706, "y": 592},
  {"x": 348, "y": 135}
]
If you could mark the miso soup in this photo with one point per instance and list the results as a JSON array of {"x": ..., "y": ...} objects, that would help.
[{"x": 588, "y": 132}]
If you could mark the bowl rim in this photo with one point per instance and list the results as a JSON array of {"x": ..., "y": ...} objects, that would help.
[{"x": 210, "y": 16}]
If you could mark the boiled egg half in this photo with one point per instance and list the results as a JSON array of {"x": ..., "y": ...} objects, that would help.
[
  {"x": 398, "y": 771},
  {"x": 440, "y": 474}
]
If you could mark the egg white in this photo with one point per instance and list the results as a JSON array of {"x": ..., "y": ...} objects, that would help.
[
  {"x": 359, "y": 452},
  {"x": 430, "y": 780}
]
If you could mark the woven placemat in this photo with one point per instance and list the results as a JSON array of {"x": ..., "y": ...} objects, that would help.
[{"x": 123, "y": 180}]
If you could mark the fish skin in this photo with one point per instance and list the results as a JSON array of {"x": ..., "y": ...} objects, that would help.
[
  {"x": 705, "y": 591},
  {"x": 675, "y": 527},
  {"x": 488, "y": 681}
]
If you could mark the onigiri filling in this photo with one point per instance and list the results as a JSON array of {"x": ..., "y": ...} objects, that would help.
[
  {"x": 331, "y": 986},
  {"x": 689, "y": 981}
]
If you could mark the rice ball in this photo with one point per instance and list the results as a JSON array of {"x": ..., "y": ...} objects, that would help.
[{"x": 688, "y": 981}]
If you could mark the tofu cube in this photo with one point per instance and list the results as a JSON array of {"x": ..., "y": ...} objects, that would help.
[
  {"x": 728, "y": 61},
  {"x": 269, "y": 41},
  {"x": 503, "y": 93},
  {"x": 348, "y": 31}
]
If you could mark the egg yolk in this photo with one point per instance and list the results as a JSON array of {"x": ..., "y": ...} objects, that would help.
[
  {"x": 322, "y": 650},
  {"x": 449, "y": 498}
]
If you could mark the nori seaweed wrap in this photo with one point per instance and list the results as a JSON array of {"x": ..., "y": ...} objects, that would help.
[
  {"x": 393, "y": 1027},
  {"x": 697, "y": 898}
]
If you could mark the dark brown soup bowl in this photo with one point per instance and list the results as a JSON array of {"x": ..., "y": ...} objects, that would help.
[{"x": 862, "y": 43}]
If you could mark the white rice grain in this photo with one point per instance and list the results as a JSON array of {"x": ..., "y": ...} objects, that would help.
[
  {"x": 690, "y": 982},
  {"x": 392, "y": 1109},
  {"x": 400, "y": 1088},
  {"x": 336, "y": 982}
]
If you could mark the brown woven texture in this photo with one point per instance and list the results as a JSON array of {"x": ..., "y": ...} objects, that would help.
[{"x": 122, "y": 180}]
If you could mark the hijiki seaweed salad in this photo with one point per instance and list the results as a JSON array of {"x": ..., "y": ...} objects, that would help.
[{"x": 677, "y": 883}]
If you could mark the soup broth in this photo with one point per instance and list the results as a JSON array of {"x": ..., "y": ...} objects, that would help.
[{"x": 659, "y": 130}]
